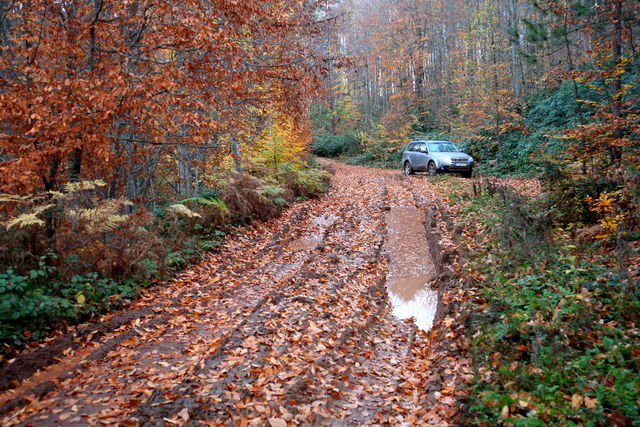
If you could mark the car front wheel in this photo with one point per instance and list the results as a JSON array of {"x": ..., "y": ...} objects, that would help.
[
  {"x": 408, "y": 170},
  {"x": 431, "y": 168}
]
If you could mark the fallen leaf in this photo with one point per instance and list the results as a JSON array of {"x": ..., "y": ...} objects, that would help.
[
  {"x": 277, "y": 422},
  {"x": 577, "y": 400},
  {"x": 504, "y": 413},
  {"x": 184, "y": 414},
  {"x": 591, "y": 402}
]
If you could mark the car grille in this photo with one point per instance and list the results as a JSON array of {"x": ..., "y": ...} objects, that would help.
[{"x": 458, "y": 160}]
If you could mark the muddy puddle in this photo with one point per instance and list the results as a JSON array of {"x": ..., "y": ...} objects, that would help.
[
  {"x": 410, "y": 267},
  {"x": 311, "y": 242}
]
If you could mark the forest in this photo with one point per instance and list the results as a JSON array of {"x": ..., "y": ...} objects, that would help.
[
  {"x": 138, "y": 137},
  {"x": 134, "y": 135},
  {"x": 526, "y": 87}
]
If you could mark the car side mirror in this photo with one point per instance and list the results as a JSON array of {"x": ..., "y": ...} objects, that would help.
[{"x": 423, "y": 150}]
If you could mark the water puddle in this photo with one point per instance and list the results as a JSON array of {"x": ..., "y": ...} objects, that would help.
[
  {"x": 311, "y": 242},
  {"x": 304, "y": 244},
  {"x": 407, "y": 287},
  {"x": 325, "y": 220},
  {"x": 410, "y": 267},
  {"x": 422, "y": 307}
]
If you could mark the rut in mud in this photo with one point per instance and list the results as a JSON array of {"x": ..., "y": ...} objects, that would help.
[{"x": 288, "y": 324}]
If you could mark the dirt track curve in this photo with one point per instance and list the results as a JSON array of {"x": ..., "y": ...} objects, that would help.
[{"x": 288, "y": 324}]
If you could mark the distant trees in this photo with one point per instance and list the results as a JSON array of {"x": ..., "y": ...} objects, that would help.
[
  {"x": 595, "y": 46},
  {"x": 478, "y": 71}
]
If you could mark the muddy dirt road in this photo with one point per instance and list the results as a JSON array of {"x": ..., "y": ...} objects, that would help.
[{"x": 289, "y": 323}]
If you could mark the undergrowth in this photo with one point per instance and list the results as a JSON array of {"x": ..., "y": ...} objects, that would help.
[
  {"x": 67, "y": 256},
  {"x": 553, "y": 324}
]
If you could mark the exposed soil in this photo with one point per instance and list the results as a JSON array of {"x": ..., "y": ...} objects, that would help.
[{"x": 289, "y": 323}]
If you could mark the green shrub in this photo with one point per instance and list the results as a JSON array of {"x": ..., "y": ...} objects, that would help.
[
  {"x": 551, "y": 332},
  {"x": 31, "y": 305},
  {"x": 329, "y": 145}
]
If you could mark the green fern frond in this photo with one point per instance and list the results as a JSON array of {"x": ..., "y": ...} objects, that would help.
[
  {"x": 183, "y": 210},
  {"x": 198, "y": 200},
  {"x": 222, "y": 207},
  {"x": 271, "y": 191},
  {"x": 279, "y": 201},
  {"x": 215, "y": 203}
]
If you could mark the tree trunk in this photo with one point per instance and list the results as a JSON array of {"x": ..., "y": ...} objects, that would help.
[
  {"x": 235, "y": 153},
  {"x": 615, "y": 151},
  {"x": 75, "y": 165}
]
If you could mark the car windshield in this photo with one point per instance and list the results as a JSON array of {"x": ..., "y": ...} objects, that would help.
[{"x": 443, "y": 147}]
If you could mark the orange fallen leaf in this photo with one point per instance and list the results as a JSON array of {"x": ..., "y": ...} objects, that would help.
[
  {"x": 577, "y": 400},
  {"x": 591, "y": 402}
]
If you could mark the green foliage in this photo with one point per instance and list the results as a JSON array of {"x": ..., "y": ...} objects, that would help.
[
  {"x": 30, "y": 305},
  {"x": 330, "y": 145},
  {"x": 551, "y": 335},
  {"x": 274, "y": 194},
  {"x": 554, "y": 108},
  {"x": 568, "y": 192},
  {"x": 306, "y": 183}
]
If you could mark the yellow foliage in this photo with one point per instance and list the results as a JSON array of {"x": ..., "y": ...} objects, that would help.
[
  {"x": 73, "y": 187},
  {"x": 605, "y": 206},
  {"x": 12, "y": 198},
  {"x": 29, "y": 218},
  {"x": 283, "y": 141},
  {"x": 182, "y": 210}
]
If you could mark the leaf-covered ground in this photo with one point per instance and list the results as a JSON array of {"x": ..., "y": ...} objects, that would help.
[{"x": 288, "y": 324}]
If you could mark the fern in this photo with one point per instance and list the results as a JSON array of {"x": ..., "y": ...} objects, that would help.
[
  {"x": 104, "y": 218},
  {"x": 74, "y": 187},
  {"x": 183, "y": 211},
  {"x": 101, "y": 219},
  {"x": 29, "y": 218},
  {"x": 222, "y": 207},
  {"x": 12, "y": 198},
  {"x": 279, "y": 201},
  {"x": 271, "y": 191},
  {"x": 198, "y": 200}
]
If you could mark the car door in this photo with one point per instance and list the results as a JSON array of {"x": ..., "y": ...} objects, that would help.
[
  {"x": 420, "y": 156},
  {"x": 409, "y": 154}
]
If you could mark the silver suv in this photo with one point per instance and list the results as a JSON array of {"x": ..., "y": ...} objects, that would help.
[{"x": 435, "y": 156}]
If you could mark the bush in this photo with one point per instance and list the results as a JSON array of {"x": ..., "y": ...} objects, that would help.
[
  {"x": 30, "y": 305},
  {"x": 306, "y": 183},
  {"x": 551, "y": 330},
  {"x": 247, "y": 199},
  {"x": 329, "y": 145},
  {"x": 76, "y": 254}
]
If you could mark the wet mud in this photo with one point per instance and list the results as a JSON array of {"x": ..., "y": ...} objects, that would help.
[{"x": 294, "y": 322}]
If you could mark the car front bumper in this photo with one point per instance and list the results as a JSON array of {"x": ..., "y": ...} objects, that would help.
[{"x": 456, "y": 168}]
